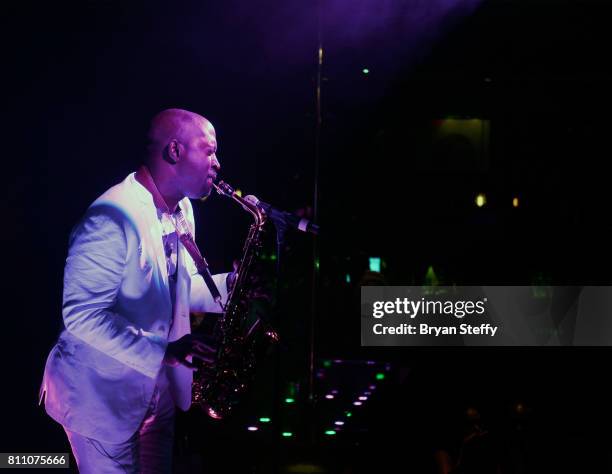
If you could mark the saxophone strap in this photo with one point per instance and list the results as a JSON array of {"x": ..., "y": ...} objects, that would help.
[
  {"x": 143, "y": 176},
  {"x": 200, "y": 261}
]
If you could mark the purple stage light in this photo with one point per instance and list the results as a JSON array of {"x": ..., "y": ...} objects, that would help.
[{"x": 369, "y": 35}]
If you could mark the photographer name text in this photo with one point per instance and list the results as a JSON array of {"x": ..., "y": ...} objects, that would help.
[{"x": 414, "y": 308}]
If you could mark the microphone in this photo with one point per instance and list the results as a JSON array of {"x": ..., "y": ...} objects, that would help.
[{"x": 284, "y": 218}]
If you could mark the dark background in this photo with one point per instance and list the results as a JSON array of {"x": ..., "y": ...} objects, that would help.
[{"x": 82, "y": 79}]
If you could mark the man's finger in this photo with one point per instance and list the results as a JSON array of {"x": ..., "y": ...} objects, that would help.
[
  {"x": 203, "y": 347},
  {"x": 202, "y": 357},
  {"x": 201, "y": 338},
  {"x": 202, "y": 342},
  {"x": 188, "y": 364},
  {"x": 201, "y": 353}
]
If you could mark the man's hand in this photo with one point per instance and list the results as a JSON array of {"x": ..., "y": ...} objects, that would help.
[{"x": 189, "y": 345}]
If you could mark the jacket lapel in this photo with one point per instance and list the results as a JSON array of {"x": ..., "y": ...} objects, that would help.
[{"x": 153, "y": 227}]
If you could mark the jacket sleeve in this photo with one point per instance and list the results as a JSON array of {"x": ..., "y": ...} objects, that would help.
[
  {"x": 92, "y": 277},
  {"x": 200, "y": 298}
]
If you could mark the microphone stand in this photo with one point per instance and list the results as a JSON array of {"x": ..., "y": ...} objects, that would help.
[
  {"x": 315, "y": 243},
  {"x": 281, "y": 228}
]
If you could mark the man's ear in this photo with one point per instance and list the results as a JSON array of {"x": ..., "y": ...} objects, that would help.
[{"x": 173, "y": 151}]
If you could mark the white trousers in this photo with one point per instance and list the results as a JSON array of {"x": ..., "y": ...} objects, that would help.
[{"x": 149, "y": 450}]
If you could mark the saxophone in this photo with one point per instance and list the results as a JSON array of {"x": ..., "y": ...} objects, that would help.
[{"x": 217, "y": 389}]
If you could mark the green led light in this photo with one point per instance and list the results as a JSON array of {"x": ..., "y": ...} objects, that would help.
[
  {"x": 375, "y": 264},
  {"x": 287, "y": 434},
  {"x": 365, "y": 70},
  {"x": 348, "y": 278},
  {"x": 431, "y": 279},
  {"x": 327, "y": 363},
  {"x": 317, "y": 264},
  {"x": 380, "y": 376},
  {"x": 273, "y": 257},
  {"x": 330, "y": 432},
  {"x": 289, "y": 400},
  {"x": 264, "y": 420},
  {"x": 348, "y": 414}
]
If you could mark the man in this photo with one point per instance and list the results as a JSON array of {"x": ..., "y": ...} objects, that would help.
[{"x": 125, "y": 358}]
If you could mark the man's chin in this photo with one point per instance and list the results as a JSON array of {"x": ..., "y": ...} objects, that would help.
[{"x": 204, "y": 196}]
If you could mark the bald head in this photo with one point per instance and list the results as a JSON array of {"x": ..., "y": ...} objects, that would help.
[
  {"x": 174, "y": 124},
  {"x": 182, "y": 153}
]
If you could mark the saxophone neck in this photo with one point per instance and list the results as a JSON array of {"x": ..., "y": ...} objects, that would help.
[{"x": 257, "y": 212}]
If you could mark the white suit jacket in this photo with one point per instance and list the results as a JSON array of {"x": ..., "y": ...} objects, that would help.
[{"x": 118, "y": 317}]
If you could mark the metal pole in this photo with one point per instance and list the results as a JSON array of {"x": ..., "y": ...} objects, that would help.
[{"x": 315, "y": 246}]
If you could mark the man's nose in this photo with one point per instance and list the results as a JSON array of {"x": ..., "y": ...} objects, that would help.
[{"x": 214, "y": 163}]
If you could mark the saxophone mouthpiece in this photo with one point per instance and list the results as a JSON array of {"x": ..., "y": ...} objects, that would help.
[
  {"x": 221, "y": 189},
  {"x": 224, "y": 189}
]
